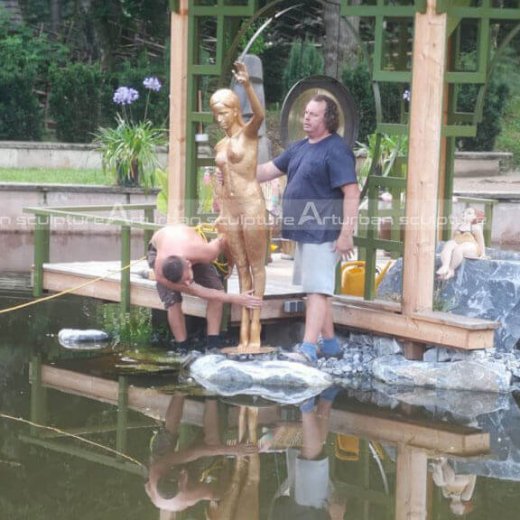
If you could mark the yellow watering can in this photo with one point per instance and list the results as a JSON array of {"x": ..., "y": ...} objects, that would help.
[{"x": 353, "y": 277}]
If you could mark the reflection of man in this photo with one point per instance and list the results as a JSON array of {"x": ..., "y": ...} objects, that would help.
[
  {"x": 181, "y": 260},
  {"x": 179, "y": 479},
  {"x": 320, "y": 205},
  {"x": 308, "y": 493}
]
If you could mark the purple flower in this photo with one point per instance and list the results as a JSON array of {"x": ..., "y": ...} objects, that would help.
[
  {"x": 152, "y": 83},
  {"x": 125, "y": 96}
]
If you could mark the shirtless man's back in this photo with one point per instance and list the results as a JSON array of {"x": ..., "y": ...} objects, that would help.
[{"x": 198, "y": 278}]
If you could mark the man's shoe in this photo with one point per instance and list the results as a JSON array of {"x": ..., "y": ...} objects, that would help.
[
  {"x": 305, "y": 353},
  {"x": 331, "y": 348}
]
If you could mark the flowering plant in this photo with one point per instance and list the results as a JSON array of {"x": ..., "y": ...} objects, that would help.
[{"x": 128, "y": 150}]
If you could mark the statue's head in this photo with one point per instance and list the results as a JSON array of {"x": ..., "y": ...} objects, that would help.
[
  {"x": 225, "y": 106},
  {"x": 473, "y": 216}
]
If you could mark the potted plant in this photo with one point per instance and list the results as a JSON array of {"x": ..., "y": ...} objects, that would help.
[{"x": 129, "y": 150}]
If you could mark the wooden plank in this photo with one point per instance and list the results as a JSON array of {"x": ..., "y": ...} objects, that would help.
[
  {"x": 143, "y": 293},
  {"x": 359, "y": 301},
  {"x": 423, "y": 329},
  {"x": 178, "y": 111},
  {"x": 426, "y": 113}
]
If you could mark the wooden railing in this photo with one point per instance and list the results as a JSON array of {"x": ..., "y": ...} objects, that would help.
[{"x": 42, "y": 229}]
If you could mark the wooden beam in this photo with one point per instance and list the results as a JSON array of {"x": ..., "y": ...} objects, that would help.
[
  {"x": 426, "y": 117},
  {"x": 436, "y": 328},
  {"x": 178, "y": 111}
]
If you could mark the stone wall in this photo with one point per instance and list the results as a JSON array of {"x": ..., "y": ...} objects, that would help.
[
  {"x": 22, "y": 154},
  {"x": 14, "y": 197}
]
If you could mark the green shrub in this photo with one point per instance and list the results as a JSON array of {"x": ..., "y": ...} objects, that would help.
[
  {"x": 489, "y": 128},
  {"x": 358, "y": 81},
  {"x": 74, "y": 101},
  {"x": 20, "y": 114},
  {"x": 304, "y": 60}
]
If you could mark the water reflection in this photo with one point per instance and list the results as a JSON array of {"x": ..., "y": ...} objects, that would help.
[
  {"x": 105, "y": 444},
  {"x": 249, "y": 458}
]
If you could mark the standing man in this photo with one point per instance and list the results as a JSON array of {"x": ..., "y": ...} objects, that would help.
[
  {"x": 320, "y": 206},
  {"x": 181, "y": 260}
]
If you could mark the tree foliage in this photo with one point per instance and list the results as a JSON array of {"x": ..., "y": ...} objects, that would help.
[{"x": 304, "y": 60}]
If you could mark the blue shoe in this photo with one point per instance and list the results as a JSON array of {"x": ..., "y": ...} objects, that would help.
[
  {"x": 305, "y": 353},
  {"x": 331, "y": 348},
  {"x": 307, "y": 406}
]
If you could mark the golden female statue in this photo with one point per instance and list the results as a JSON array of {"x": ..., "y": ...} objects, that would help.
[{"x": 242, "y": 204}]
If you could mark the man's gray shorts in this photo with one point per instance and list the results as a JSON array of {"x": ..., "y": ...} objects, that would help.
[
  {"x": 315, "y": 267},
  {"x": 203, "y": 274}
]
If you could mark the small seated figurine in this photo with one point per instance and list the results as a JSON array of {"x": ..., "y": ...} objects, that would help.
[{"x": 467, "y": 242}]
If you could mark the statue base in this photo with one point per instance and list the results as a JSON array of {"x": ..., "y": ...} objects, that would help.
[{"x": 238, "y": 351}]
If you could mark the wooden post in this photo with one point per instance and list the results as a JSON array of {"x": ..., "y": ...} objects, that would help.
[
  {"x": 41, "y": 251},
  {"x": 426, "y": 118},
  {"x": 178, "y": 111},
  {"x": 122, "y": 414},
  {"x": 125, "y": 268},
  {"x": 411, "y": 483}
]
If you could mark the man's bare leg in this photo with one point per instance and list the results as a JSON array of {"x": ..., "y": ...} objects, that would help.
[{"x": 177, "y": 322}]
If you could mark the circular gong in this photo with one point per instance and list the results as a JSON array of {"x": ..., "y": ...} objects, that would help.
[{"x": 302, "y": 92}]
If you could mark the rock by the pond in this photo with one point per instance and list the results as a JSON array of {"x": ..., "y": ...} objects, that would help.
[
  {"x": 458, "y": 375},
  {"x": 504, "y": 460},
  {"x": 485, "y": 288},
  {"x": 463, "y": 405},
  {"x": 86, "y": 339},
  {"x": 281, "y": 381},
  {"x": 441, "y": 355}
]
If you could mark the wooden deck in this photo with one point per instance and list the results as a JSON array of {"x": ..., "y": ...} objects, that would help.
[{"x": 380, "y": 317}]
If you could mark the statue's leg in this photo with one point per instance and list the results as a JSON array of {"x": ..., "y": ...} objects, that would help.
[
  {"x": 446, "y": 255},
  {"x": 256, "y": 244},
  {"x": 248, "y": 501},
  {"x": 236, "y": 245},
  {"x": 464, "y": 250}
]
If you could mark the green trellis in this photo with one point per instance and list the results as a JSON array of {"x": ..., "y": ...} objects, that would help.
[
  {"x": 458, "y": 124},
  {"x": 227, "y": 20}
]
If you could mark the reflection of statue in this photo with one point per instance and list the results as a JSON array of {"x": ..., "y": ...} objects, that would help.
[
  {"x": 240, "y": 500},
  {"x": 457, "y": 488},
  {"x": 242, "y": 216},
  {"x": 467, "y": 242}
]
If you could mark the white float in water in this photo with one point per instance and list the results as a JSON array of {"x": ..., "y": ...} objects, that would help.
[{"x": 87, "y": 339}]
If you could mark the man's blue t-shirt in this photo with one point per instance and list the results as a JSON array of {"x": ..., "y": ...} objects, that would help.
[{"x": 313, "y": 200}]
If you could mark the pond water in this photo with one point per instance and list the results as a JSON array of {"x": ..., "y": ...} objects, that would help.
[{"x": 84, "y": 437}]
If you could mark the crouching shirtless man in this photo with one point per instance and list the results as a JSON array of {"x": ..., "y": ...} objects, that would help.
[{"x": 181, "y": 260}]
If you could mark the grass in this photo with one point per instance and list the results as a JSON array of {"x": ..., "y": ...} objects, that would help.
[{"x": 55, "y": 176}]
